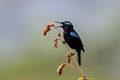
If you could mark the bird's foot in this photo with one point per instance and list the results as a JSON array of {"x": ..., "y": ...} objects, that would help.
[
  {"x": 72, "y": 54},
  {"x": 63, "y": 42}
]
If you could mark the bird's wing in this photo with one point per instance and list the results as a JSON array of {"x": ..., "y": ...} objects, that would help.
[{"x": 74, "y": 34}]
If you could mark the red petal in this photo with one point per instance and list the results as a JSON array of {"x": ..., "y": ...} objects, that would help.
[
  {"x": 44, "y": 32},
  {"x": 68, "y": 57},
  {"x": 60, "y": 68},
  {"x": 55, "y": 42}
]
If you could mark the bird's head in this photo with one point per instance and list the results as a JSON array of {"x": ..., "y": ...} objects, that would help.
[{"x": 66, "y": 25}]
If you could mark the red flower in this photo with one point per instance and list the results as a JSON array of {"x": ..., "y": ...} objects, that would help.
[
  {"x": 44, "y": 32},
  {"x": 55, "y": 42},
  {"x": 48, "y": 28},
  {"x": 50, "y": 24},
  {"x": 60, "y": 69},
  {"x": 68, "y": 57}
]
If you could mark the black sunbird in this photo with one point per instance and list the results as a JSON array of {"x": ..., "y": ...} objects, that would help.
[{"x": 72, "y": 38}]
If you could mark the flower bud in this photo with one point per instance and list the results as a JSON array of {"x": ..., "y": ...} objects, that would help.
[
  {"x": 68, "y": 57},
  {"x": 60, "y": 69},
  {"x": 55, "y": 42}
]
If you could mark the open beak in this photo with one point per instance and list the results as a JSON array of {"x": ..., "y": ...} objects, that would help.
[{"x": 60, "y": 23}]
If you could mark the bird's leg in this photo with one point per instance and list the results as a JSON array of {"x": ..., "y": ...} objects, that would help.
[{"x": 72, "y": 54}]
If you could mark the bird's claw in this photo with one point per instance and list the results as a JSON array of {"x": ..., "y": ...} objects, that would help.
[
  {"x": 72, "y": 54},
  {"x": 63, "y": 42}
]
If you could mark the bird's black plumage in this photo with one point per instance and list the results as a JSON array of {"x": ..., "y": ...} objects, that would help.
[{"x": 72, "y": 38}]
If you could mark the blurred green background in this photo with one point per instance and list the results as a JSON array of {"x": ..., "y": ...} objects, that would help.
[{"x": 25, "y": 54}]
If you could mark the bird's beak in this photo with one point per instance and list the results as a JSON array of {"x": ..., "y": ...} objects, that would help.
[{"x": 60, "y": 23}]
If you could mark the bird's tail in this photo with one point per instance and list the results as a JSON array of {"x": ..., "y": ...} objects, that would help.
[{"x": 79, "y": 57}]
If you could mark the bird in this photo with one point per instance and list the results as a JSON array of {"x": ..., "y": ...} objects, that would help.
[{"x": 72, "y": 38}]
